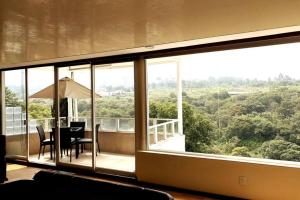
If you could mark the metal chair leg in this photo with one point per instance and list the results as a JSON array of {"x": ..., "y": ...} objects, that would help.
[
  {"x": 43, "y": 150},
  {"x": 98, "y": 147},
  {"x": 40, "y": 151},
  {"x": 71, "y": 154}
]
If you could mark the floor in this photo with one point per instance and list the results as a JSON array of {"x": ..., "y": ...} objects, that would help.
[
  {"x": 105, "y": 160},
  {"x": 15, "y": 172}
]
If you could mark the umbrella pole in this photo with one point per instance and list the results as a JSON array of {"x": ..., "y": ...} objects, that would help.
[{"x": 70, "y": 110}]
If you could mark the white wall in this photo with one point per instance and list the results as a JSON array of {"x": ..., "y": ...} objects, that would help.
[{"x": 263, "y": 181}]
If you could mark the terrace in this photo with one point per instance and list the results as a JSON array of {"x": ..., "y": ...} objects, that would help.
[{"x": 116, "y": 140}]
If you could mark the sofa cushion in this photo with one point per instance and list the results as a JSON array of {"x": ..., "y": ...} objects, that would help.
[
  {"x": 75, "y": 187},
  {"x": 47, "y": 185}
]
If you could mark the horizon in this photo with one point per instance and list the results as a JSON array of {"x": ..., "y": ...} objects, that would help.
[{"x": 282, "y": 58}]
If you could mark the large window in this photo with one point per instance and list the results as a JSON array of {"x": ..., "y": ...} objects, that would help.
[{"x": 243, "y": 102}]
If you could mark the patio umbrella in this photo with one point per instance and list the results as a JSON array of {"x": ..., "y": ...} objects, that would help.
[{"x": 68, "y": 88}]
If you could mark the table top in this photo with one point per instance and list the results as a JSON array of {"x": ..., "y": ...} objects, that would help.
[{"x": 71, "y": 128}]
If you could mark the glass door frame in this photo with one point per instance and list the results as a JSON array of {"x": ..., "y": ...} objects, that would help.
[
  {"x": 136, "y": 147},
  {"x": 58, "y": 161},
  {"x": 27, "y": 111},
  {"x": 3, "y": 111}
]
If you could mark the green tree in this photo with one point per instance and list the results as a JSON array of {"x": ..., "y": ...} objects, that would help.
[
  {"x": 198, "y": 133},
  {"x": 241, "y": 127},
  {"x": 252, "y": 127},
  {"x": 286, "y": 108},
  {"x": 241, "y": 151},
  {"x": 221, "y": 95},
  {"x": 39, "y": 111},
  {"x": 11, "y": 98},
  {"x": 281, "y": 150},
  {"x": 196, "y": 127}
]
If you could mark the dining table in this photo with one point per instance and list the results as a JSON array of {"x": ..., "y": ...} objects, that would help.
[{"x": 73, "y": 131}]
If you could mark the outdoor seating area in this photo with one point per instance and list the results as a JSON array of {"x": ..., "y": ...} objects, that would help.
[
  {"x": 75, "y": 146},
  {"x": 69, "y": 137}
]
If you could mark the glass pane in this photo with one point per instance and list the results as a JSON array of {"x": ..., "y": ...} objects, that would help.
[
  {"x": 164, "y": 100},
  {"x": 242, "y": 102},
  {"x": 115, "y": 114},
  {"x": 75, "y": 107},
  {"x": 126, "y": 125},
  {"x": 109, "y": 124},
  {"x": 41, "y": 114},
  {"x": 15, "y": 113}
]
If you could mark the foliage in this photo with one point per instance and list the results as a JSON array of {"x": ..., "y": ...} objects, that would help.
[
  {"x": 196, "y": 127},
  {"x": 241, "y": 117},
  {"x": 39, "y": 111},
  {"x": 114, "y": 106},
  {"x": 11, "y": 98},
  {"x": 251, "y": 127},
  {"x": 281, "y": 150},
  {"x": 241, "y": 151}
]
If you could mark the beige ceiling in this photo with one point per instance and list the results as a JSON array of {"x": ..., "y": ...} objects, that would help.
[{"x": 34, "y": 30}]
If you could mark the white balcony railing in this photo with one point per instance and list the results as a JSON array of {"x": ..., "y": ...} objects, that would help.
[
  {"x": 165, "y": 127},
  {"x": 17, "y": 126}
]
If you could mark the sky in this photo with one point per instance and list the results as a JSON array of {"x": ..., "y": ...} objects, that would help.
[
  {"x": 253, "y": 63},
  {"x": 39, "y": 78},
  {"x": 259, "y": 63}
]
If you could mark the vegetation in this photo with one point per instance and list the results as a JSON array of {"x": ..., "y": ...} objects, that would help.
[
  {"x": 228, "y": 116},
  {"x": 236, "y": 117}
]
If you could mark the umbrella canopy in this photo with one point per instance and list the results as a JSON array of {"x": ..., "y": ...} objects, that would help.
[{"x": 68, "y": 88}]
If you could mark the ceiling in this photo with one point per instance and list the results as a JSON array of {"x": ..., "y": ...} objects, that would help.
[{"x": 39, "y": 30}]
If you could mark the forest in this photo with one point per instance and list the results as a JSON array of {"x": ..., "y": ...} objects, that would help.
[{"x": 230, "y": 116}]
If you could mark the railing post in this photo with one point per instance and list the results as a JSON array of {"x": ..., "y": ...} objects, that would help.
[
  {"x": 117, "y": 124},
  {"x": 155, "y": 135},
  {"x": 154, "y": 122},
  {"x": 86, "y": 122},
  {"x": 101, "y": 124},
  {"x": 46, "y": 124},
  {"x": 173, "y": 128},
  {"x": 165, "y": 131},
  {"x": 178, "y": 132}
]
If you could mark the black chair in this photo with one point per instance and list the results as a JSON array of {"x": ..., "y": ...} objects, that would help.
[
  {"x": 97, "y": 137},
  {"x": 77, "y": 135},
  {"x": 43, "y": 141},
  {"x": 66, "y": 141},
  {"x": 82, "y": 140},
  {"x": 81, "y": 125}
]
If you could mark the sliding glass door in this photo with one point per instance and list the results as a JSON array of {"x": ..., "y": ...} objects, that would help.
[
  {"x": 75, "y": 115},
  {"x": 14, "y": 113},
  {"x": 41, "y": 114},
  {"x": 114, "y": 117},
  {"x": 92, "y": 126}
]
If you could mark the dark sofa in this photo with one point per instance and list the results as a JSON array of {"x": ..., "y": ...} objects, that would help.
[{"x": 58, "y": 185}]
